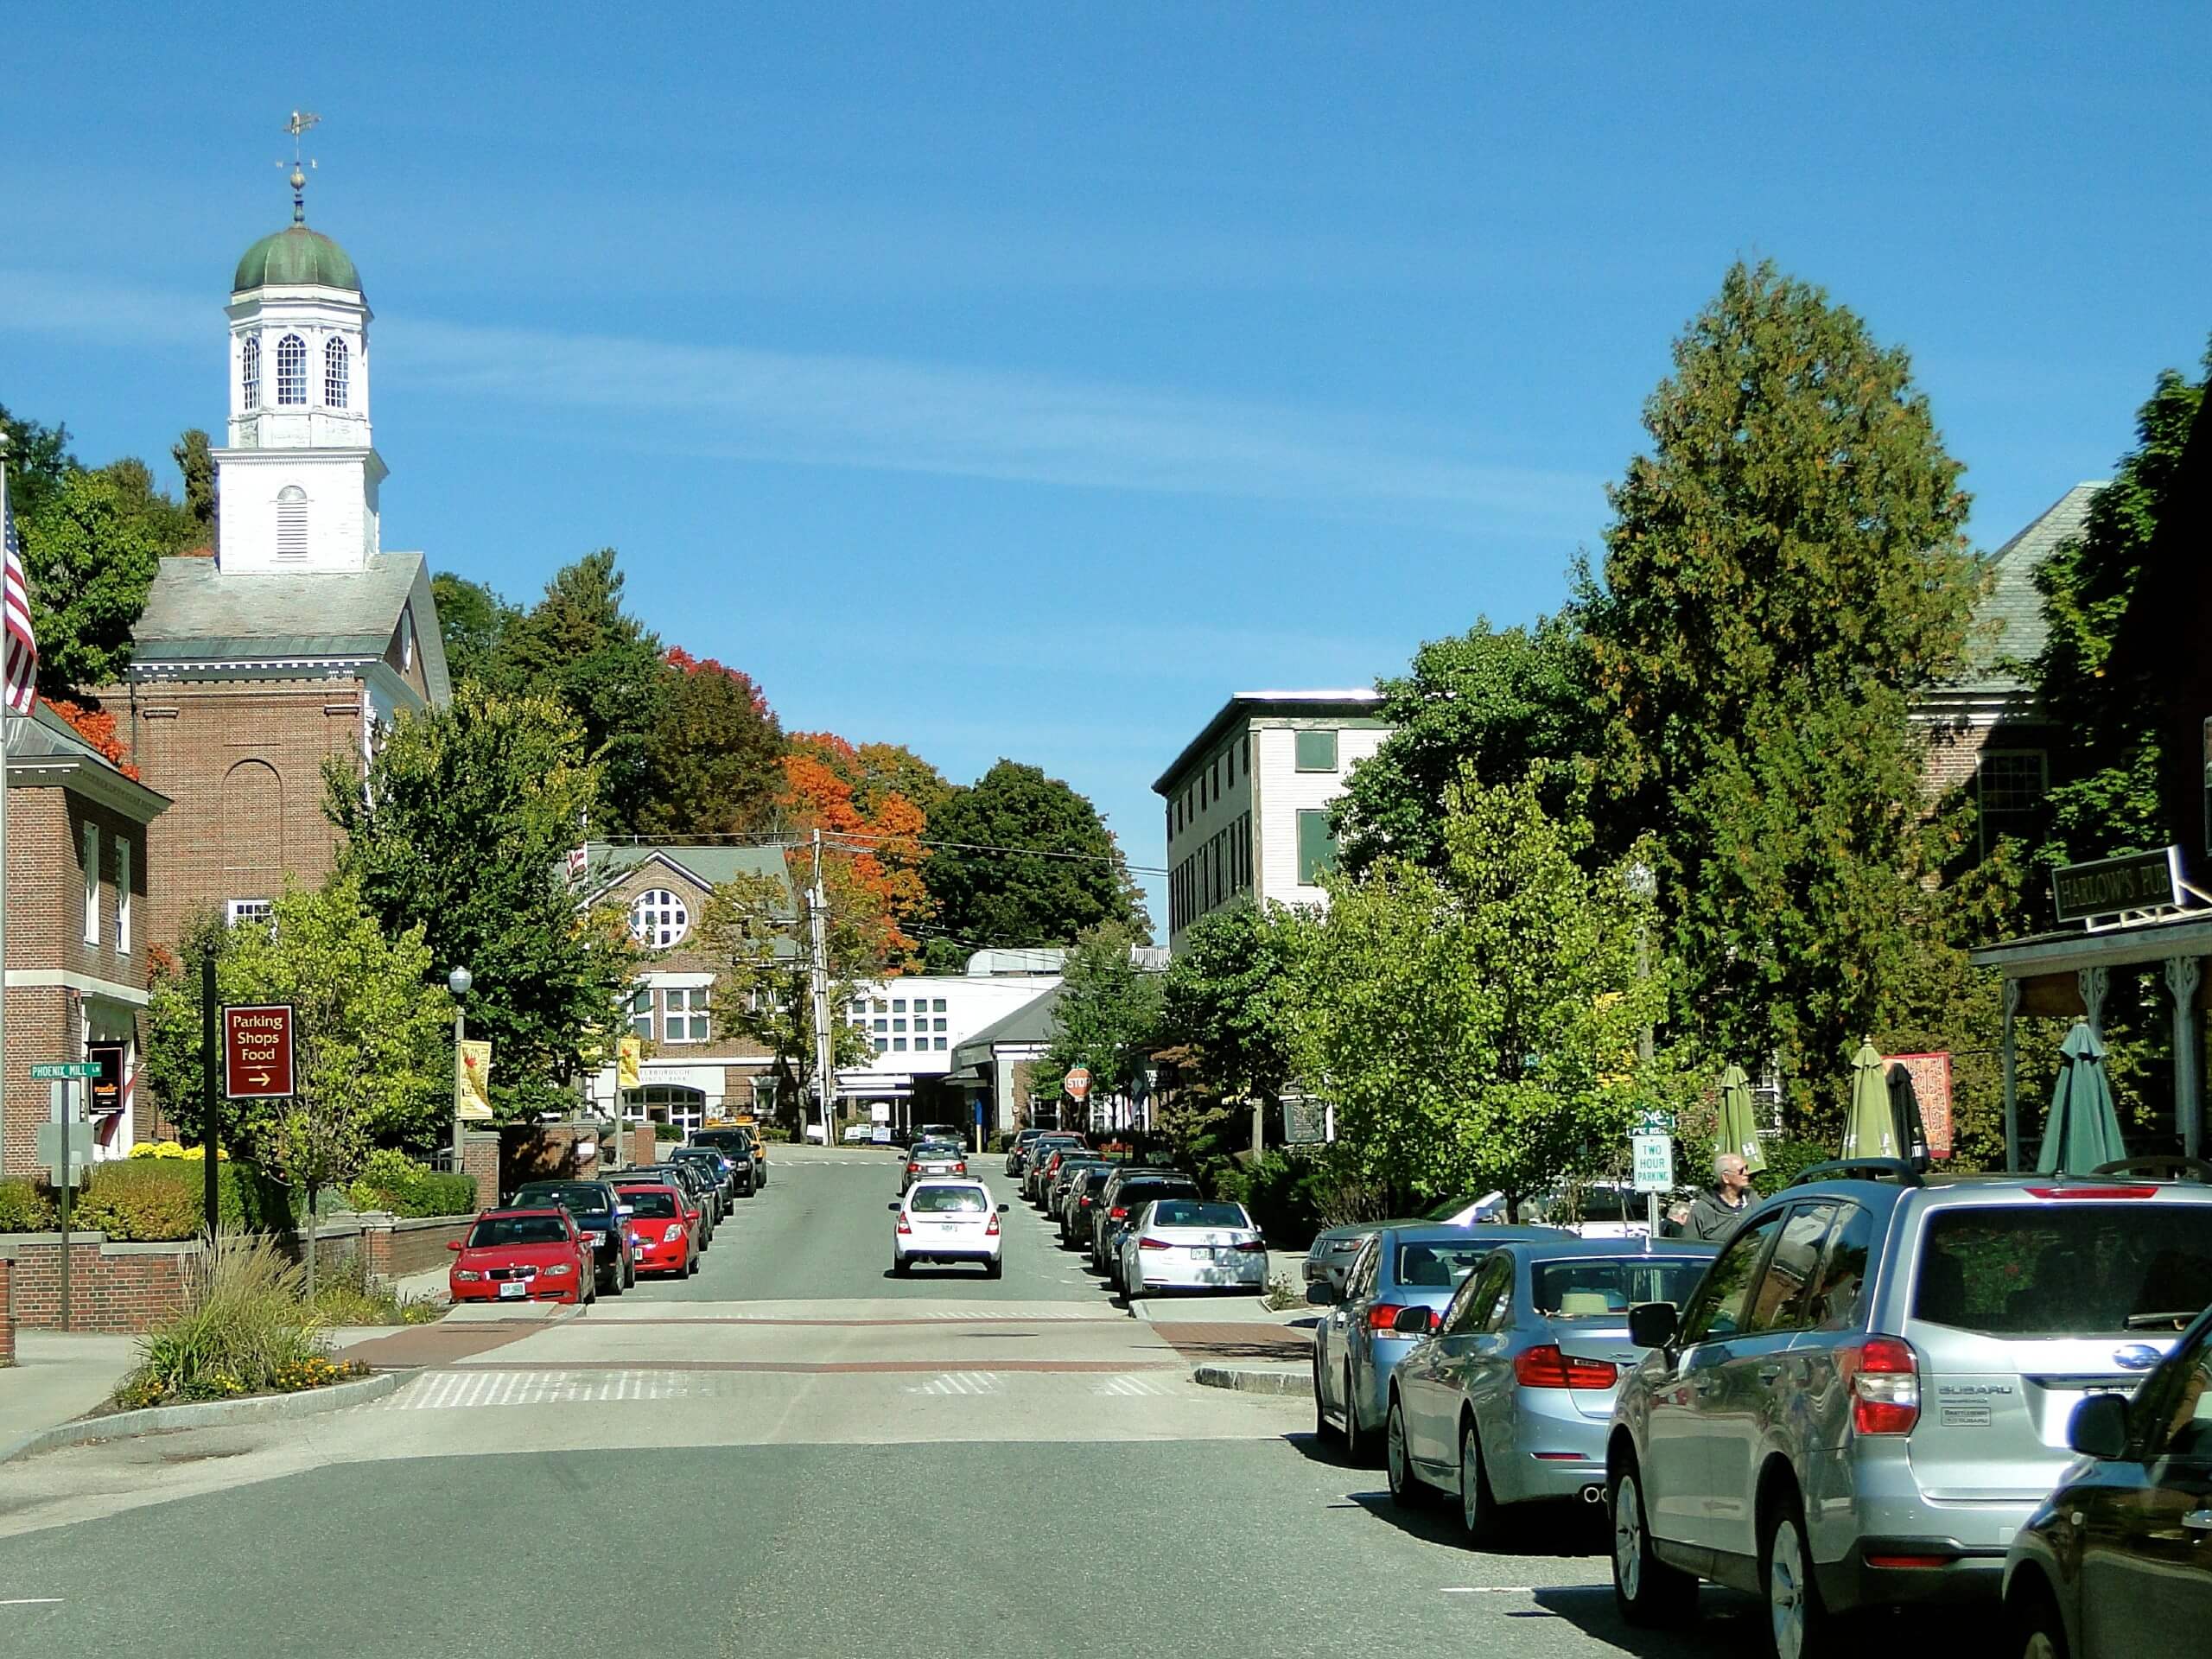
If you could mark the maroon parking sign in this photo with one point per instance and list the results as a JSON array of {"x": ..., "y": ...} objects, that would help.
[{"x": 257, "y": 1050}]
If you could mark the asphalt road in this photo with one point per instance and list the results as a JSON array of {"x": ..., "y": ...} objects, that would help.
[{"x": 792, "y": 1453}]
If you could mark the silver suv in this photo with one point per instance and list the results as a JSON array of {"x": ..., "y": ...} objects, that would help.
[{"x": 1869, "y": 1391}]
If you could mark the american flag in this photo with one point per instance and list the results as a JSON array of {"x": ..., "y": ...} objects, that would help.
[{"x": 23, "y": 646}]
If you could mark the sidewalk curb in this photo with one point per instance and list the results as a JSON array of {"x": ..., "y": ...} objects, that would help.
[
  {"x": 212, "y": 1414},
  {"x": 1246, "y": 1380}
]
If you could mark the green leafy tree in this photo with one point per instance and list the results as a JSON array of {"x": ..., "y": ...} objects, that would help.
[
  {"x": 1106, "y": 1017},
  {"x": 195, "y": 461},
  {"x": 1476, "y": 1027},
  {"x": 473, "y": 622},
  {"x": 460, "y": 828},
  {"x": 578, "y": 645},
  {"x": 1785, "y": 569},
  {"x": 89, "y": 555},
  {"x": 2105, "y": 796},
  {"x": 37, "y": 459},
  {"x": 755, "y": 934},
  {"x": 1495, "y": 701},
  {"x": 1021, "y": 858},
  {"x": 716, "y": 754},
  {"x": 1227, "y": 999},
  {"x": 170, "y": 1071}
]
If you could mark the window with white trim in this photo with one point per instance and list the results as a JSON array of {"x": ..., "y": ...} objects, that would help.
[
  {"x": 123, "y": 895},
  {"x": 2010, "y": 784},
  {"x": 250, "y": 371},
  {"x": 89, "y": 846},
  {"x": 686, "y": 1018},
  {"x": 248, "y": 910},
  {"x": 291, "y": 370},
  {"x": 291, "y": 523},
  {"x": 659, "y": 918},
  {"x": 638, "y": 1013},
  {"x": 764, "y": 1096},
  {"x": 336, "y": 361}
]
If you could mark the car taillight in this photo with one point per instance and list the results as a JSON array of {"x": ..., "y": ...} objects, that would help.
[
  {"x": 913, "y": 1169},
  {"x": 1383, "y": 1318},
  {"x": 1547, "y": 1368},
  {"x": 1260, "y": 1244},
  {"x": 960, "y": 1168},
  {"x": 991, "y": 1227},
  {"x": 673, "y": 1231},
  {"x": 2093, "y": 1192},
  {"x": 1119, "y": 1212},
  {"x": 1884, "y": 1376},
  {"x": 905, "y": 1226},
  {"x": 1154, "y": 1244}
]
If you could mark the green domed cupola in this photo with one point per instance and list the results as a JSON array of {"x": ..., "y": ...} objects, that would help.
[{"x": 296, "y": 255}]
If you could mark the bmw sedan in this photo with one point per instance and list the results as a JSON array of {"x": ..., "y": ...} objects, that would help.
[{"x": 1511, "y": 1399}]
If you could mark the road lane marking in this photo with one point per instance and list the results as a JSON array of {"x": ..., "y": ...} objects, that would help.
[
  {"x": 1131, "y": 1387},
  {"x": 32, "y": 1601}
]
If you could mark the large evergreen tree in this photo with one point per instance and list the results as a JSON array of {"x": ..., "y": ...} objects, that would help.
[
  {"x": 716, "y": 754},
  {"x": 1785, "y": 569},
  {"x": 473, "y": 622},
  {"x": 1021, "y": 858}
]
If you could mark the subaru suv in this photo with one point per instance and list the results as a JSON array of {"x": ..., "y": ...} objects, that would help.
[{"x": 1869, "y": 1391}]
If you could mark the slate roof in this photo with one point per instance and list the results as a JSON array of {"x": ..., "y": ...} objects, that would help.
[
  {"x": 196, "y": 613},
  {"x": 705, "y": 862},
  {"x": 35, "y": 745},
  {"x": 2012, "y": 602},
  {"x": 1030, "y": 1023}
]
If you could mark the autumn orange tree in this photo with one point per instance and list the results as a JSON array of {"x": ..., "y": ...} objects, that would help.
[{"x": 861, "y": 797}]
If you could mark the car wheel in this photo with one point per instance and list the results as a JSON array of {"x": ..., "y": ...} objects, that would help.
[
  {"x": 1324, "y": 1430},
  {"x": 990, "y": 1270},
  {"x": 1797, "y": 1620},
  {"x": 1478, "y": 1503},
  {"x": 629, "y": 1272},
  {"x": 2039, "y": 1629},
  {"x": 900, "y": 1266},
  {"x": 1646, "y": 1591},
  {"x": 1359, "y": 1445},
  {"x": 691, "y": 1269},
  {"x": 1406, "y": 1489}
]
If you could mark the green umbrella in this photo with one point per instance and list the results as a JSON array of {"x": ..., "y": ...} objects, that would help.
[
  {"x": 1739, "y": 1126},
  {"x": 2084, "y": 1129},
  {"x": 1869, "y": 1130}
]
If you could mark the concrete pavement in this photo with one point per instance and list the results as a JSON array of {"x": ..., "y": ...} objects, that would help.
[{"x": 58, "y": 1375}]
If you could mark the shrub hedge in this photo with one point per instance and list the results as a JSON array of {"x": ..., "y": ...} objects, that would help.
[
  {"x": 393, "y": 1182},
  {"x": 150, "y": 1199}
]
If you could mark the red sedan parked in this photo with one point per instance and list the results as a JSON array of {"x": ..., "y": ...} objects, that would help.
[
  {"x": 518, "y": 1255},
  {"x": 664, "y": 1228}
]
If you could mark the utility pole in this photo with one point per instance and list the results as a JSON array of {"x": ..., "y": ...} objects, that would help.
[{"x": 818, "y": 931}]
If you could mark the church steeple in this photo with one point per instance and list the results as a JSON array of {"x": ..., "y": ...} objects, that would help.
[{"x": 298, "y": 480}]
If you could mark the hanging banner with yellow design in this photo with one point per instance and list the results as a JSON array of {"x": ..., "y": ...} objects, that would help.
[
  {"x": 472, "y": 1083},
  {"x": 626, "y": 1065}
]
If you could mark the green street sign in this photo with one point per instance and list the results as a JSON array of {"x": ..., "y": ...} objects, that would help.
[{"x": 63, "y": 1070}]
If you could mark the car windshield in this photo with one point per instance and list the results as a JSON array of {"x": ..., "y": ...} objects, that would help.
[
  {"x": 725, "y": 1139},
  {"x": 1438, "y": 1264},
  {"x": 657, "y": 1202},
  {"x": 1583, "y": 1288},
  {"x": 1137, "y": 1194},
  {"x": 2078, "y": 1268},
  {"x": 949, "y": 1201},
  {"x": 576, "y": 1200},
  {"x": 1184, "y": 1212},
  {"x": 497, "y": 1230}
]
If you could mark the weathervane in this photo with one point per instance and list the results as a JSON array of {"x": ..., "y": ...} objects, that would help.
[{"x": 302, "y": 121}]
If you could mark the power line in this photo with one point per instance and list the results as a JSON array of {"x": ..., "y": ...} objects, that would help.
[{"x": 785, "y": 843}]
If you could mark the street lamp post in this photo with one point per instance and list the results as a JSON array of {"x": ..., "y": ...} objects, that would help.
[
  {"x": 458, "y": 982},
  {"x": 1644, "y": 882}
]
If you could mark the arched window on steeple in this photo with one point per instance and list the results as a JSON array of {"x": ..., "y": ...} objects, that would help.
[
  {"x": 334, "y": 364},
  {"x": 291, "y": 370},
  {"x": 291, "y": 523},
  {"x": 250, "y": 370}
]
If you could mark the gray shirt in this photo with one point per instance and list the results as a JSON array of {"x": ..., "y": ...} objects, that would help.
[{"x": 1713, "y": 1218}]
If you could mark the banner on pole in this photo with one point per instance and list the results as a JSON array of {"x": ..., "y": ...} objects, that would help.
[{"x": 471, "y": 1082}]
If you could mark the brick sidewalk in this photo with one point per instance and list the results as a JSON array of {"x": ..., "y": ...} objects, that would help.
[{"x": 1220, "y": 1339}]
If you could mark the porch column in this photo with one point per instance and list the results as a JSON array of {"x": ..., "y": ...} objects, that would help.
[
  {"x": 2008, "y": 1062},
  {"x": 2183, "y": 975},
  {"x": 2095, "y": 984}
]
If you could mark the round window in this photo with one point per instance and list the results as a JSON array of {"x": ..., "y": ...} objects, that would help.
[{"x": 658, "y": 920}]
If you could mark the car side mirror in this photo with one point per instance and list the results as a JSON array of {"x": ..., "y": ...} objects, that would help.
[
  {"x": 1002, "y": 1209},
  {"x": 2099, "y": 1428},
  {"x": 1653, "y": 1325},
  {"x": 1321, "y": 1293},
  {"x": 453, "y": 1245},
  {"x": 1414, "y": 1321},
  {"x": 893, "y": 1205}
]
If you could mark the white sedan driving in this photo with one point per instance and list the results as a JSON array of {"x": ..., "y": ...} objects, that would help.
[
  {"x": 1193, "y": 1244},
  {"x": 946, "y": 1221}
]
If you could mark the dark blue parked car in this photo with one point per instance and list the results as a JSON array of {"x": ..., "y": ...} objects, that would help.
[{"x": 598, "y": 1212}]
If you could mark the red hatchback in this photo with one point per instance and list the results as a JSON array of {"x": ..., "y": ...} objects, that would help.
[
  {"x": 522, "y": 1255},
  {"x": 664, "y": 1228}
]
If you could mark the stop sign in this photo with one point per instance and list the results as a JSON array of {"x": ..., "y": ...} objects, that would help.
[{"x": 1078, "y": 1082}]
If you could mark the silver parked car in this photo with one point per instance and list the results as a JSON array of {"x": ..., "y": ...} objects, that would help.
[
  {"x": 1511, "y": 1400},
  {"x": 1402, "y": 1265},
  {"x": 1870, "y": 1391}
]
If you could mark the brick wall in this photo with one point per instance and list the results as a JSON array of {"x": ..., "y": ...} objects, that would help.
[
  {"x": 242, "y": 762},
  {"x": 643, "y": 1147},
  {"x": 479, "y": 1157},
  {"x": 416, "y": 1246},
  {"x": 117, "y": 1288}
]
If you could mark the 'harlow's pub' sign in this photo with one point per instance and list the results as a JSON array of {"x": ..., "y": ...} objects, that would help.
[{"x": 2135, "y": 881}]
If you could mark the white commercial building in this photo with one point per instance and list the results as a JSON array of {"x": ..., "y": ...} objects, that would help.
[
  {"x": 1248, "y": 800},
  {"x": 916, "y": 1024}
]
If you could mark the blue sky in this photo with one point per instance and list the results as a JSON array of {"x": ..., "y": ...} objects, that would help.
[{"x": 1024, "y": 380}]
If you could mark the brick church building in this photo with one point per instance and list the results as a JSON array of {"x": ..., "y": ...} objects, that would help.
[{"x": 298, "y": 636}]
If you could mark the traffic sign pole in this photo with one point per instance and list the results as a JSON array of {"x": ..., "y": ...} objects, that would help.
[
  {"x": 58, "y": 1105},
  {"x": 210, "y": 1101}
]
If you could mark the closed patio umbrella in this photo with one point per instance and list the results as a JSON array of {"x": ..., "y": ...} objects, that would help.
[
  {"x": 2083, "y": 1130},
  {"x": 1904, "y": 1109},
  {"x": 1739, "y": 1125},
  {"x": 1870, "y": 1129}
]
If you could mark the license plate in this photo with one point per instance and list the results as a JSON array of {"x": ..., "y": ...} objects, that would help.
[{"x": 513, "y": 1289}]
